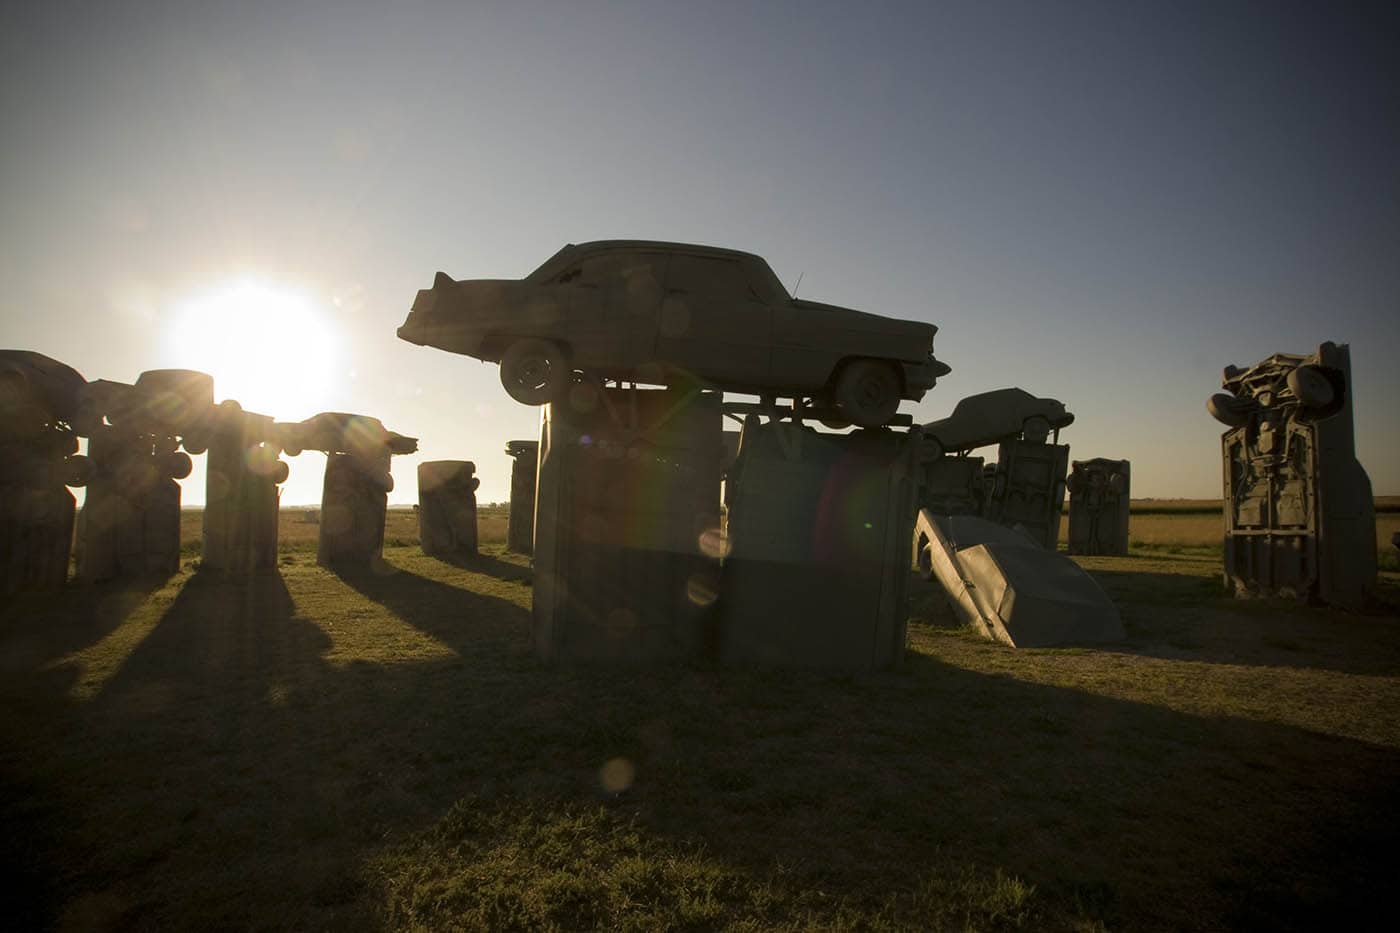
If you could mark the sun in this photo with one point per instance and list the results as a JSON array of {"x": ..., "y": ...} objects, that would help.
[{"x": 271, "y": 347}]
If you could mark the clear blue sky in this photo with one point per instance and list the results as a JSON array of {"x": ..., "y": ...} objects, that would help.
[{"x": 1101, "y": 202}]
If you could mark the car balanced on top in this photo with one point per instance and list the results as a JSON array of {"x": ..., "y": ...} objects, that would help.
[{"x": 670, "y": 313}]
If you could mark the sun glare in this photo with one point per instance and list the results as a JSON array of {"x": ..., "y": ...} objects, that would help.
[{"x": 272, "y": 348}]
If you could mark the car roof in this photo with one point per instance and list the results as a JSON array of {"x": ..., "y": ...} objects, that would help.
[
  {"x": 661, "y": 246},
  {"x": 572, "y": 252}
]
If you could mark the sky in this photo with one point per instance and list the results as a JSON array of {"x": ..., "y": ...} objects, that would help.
[{"x": 1104, "y": 203}]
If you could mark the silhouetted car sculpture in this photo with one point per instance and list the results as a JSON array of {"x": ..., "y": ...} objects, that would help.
[
  {"x": 663, "y": 313},
  {"x": 40, "y": 417},
  {"x": 360, "y": 436},
  {"x": 38, "y": 390},
  {"x": 991, "y": 417}
]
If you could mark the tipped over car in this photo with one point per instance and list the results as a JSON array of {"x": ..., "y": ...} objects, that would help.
[{"x": 671, "y": 313}]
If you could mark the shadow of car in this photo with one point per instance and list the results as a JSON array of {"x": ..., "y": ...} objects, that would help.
[{"x": 671, "y": 313}]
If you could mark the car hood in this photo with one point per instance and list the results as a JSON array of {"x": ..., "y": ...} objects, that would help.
[{"x": 851, "y": 319}]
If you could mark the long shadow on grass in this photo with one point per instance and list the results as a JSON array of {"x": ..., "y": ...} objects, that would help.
[
  {"x": 229, "y": 776},
  {"x": 868, "y": 786},
  {"x": 491, "y": 565},
  {"x": 1185, "y": 617},
  {"x": 38, "y": 627},
  {"x": 469, "y": 622},
  {"x": 219, "y": 629}
]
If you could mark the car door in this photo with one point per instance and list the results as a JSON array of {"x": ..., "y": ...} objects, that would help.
[
  {"x": 713, "y": 322},
  {"x": 616, "y": 297}
]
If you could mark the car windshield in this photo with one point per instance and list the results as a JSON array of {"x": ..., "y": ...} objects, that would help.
[{"x": 553, "y": 265}]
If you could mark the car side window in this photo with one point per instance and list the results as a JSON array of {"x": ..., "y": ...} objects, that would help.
[
  {"x": 613, "y": 269},
  {"x": 705, "y": 275}
]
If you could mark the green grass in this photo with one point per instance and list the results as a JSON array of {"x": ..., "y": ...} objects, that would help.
[{"x": 309, "y": 751}]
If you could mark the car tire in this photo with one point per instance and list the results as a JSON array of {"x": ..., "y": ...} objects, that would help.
[
  {"x": 932, "y": 448},
  {"x": 1230, "y": 410},
  {"x": 827, "y": 407},
  {"x": 1310, "y": 387},
  {"x": 78, "y": 471},
  {"x": 925, "y": 560},
  {"x": 280, "y": 472},
  {"x": 535, "y": 371},
  {"x": 867, "y": 392},
  {"x": 1035, "y": 429},
  {"x": 178, "y": 465}
]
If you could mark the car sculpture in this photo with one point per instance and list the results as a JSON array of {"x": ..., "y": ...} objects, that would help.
[
  {"x": 1287, "y": 382},
  {"x": 40, "y": 417},
  {"x": 341, "y": 432},
  {"x": 360, "y": 436},
  {"x": 992, "y": 417},
  {"x": 666, "y": 313}
]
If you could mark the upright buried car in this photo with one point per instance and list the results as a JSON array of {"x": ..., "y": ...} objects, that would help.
[{"x": 652, "y": 312}]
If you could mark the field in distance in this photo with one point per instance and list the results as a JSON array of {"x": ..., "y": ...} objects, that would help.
[{"x": 1173, "y": 526}]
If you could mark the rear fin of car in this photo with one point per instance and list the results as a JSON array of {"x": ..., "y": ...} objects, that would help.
[{"x": 443, "y": 280}]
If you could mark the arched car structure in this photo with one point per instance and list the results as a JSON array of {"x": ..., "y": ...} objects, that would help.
[
  {"x": 667, "y": 313},
  {"x": 992, "y": 417}
]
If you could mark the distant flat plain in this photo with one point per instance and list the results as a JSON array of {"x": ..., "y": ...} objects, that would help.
[{"x": 1155, "y": 525}]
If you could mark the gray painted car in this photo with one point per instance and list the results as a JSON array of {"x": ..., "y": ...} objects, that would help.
[
  {"x": 672, "y": 313},
  {"x": 992, "y": 417}
]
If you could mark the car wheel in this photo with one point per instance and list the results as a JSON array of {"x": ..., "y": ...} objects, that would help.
[
  {"x": 932, "y": 448},
  {"x": 925, "y": 560},
  {"x": 535, "y": 371},
  {"x": 78, "y": 470},
  {"x": 867, "y": 392},
  {"x": 835, "y": 422},
  {"x": 280, "y": 472},
  {"x": 178, "y": 464},
  {"x": 1310, "y": 387},
  {"x": 1035, "y": 429},
  {"x": 1230, "y": 410}
]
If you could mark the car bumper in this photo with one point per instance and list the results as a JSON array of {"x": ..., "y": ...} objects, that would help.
[
  {"x": 920, "y": 377},
  {"x": 444, "y": 332},
  {"x": 413, "y": 331}
]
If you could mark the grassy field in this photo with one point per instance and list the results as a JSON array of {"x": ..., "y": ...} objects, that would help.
[{"x": 304, "y": 750}]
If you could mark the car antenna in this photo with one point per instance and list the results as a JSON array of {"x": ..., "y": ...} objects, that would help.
[{"x": 799, "y": 282}]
